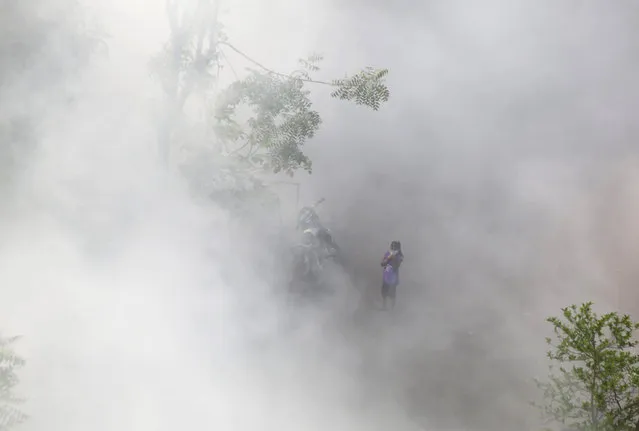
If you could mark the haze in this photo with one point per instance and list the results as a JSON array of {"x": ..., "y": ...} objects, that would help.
[{"x": 504, "y": 162}]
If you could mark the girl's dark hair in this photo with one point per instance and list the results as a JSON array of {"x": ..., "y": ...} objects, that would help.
[{"x": 396, "y": 245}]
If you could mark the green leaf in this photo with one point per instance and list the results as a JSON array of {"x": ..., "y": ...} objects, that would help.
[
  {"x": 365, "y": 88},
  {"x": 311, "y": 62},
  {"x": 282, "y": 120}
]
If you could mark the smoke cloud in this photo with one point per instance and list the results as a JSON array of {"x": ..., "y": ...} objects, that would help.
[{"x": 504, "y": 163}]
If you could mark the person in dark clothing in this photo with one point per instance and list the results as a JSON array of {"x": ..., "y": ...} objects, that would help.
[{"x": 391, "y": 262}]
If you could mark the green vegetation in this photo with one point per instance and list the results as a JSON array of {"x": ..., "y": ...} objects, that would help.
[
  {"x": 10, "y": 362},
  {"x": 257, "y": 125},
  {"x": 594, "y": 380}
]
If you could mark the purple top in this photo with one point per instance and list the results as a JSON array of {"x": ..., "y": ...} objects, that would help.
[{"x": 391, "y": 266}]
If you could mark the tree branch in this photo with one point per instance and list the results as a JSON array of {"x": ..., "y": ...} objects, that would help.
[
  {"x": 283, "y": 75},
  {"x": 237, "y": 77}
]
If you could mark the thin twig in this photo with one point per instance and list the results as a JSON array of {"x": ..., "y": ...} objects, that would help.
[
  {"x": 237, "y": 150},
  {"x": 284, "y": 75},
  {"x": 230, "y": 65}
]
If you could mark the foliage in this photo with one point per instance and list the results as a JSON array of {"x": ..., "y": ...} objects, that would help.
[
  {"x": 190, "y": 58},
  {"x": 10, "y": 362},
  {"x": 42, "y": 45},
  {"x": 283, "y": 118},
  {"x": 595, "y": 384},
  {"x": 49, "y": 36},
  {"x": 45, "y": 42},
  {"x": 365, "y": 88},
  {"x": 263, "y": 119}
]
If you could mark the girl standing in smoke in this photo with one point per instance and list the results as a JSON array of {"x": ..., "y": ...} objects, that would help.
[{"x": 391, "y": 262}]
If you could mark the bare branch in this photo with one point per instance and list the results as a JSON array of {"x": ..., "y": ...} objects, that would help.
[{"x": 269, "y": 70}]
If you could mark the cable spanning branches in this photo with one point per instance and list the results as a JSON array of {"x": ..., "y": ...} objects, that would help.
[
  {"x": 284, "y": 119},
  {"x": 268, "y": 70},
  {"x": 365, "y": 88}
]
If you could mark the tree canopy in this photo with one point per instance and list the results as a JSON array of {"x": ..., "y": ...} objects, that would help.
[{"x": 258, "y": 124}]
